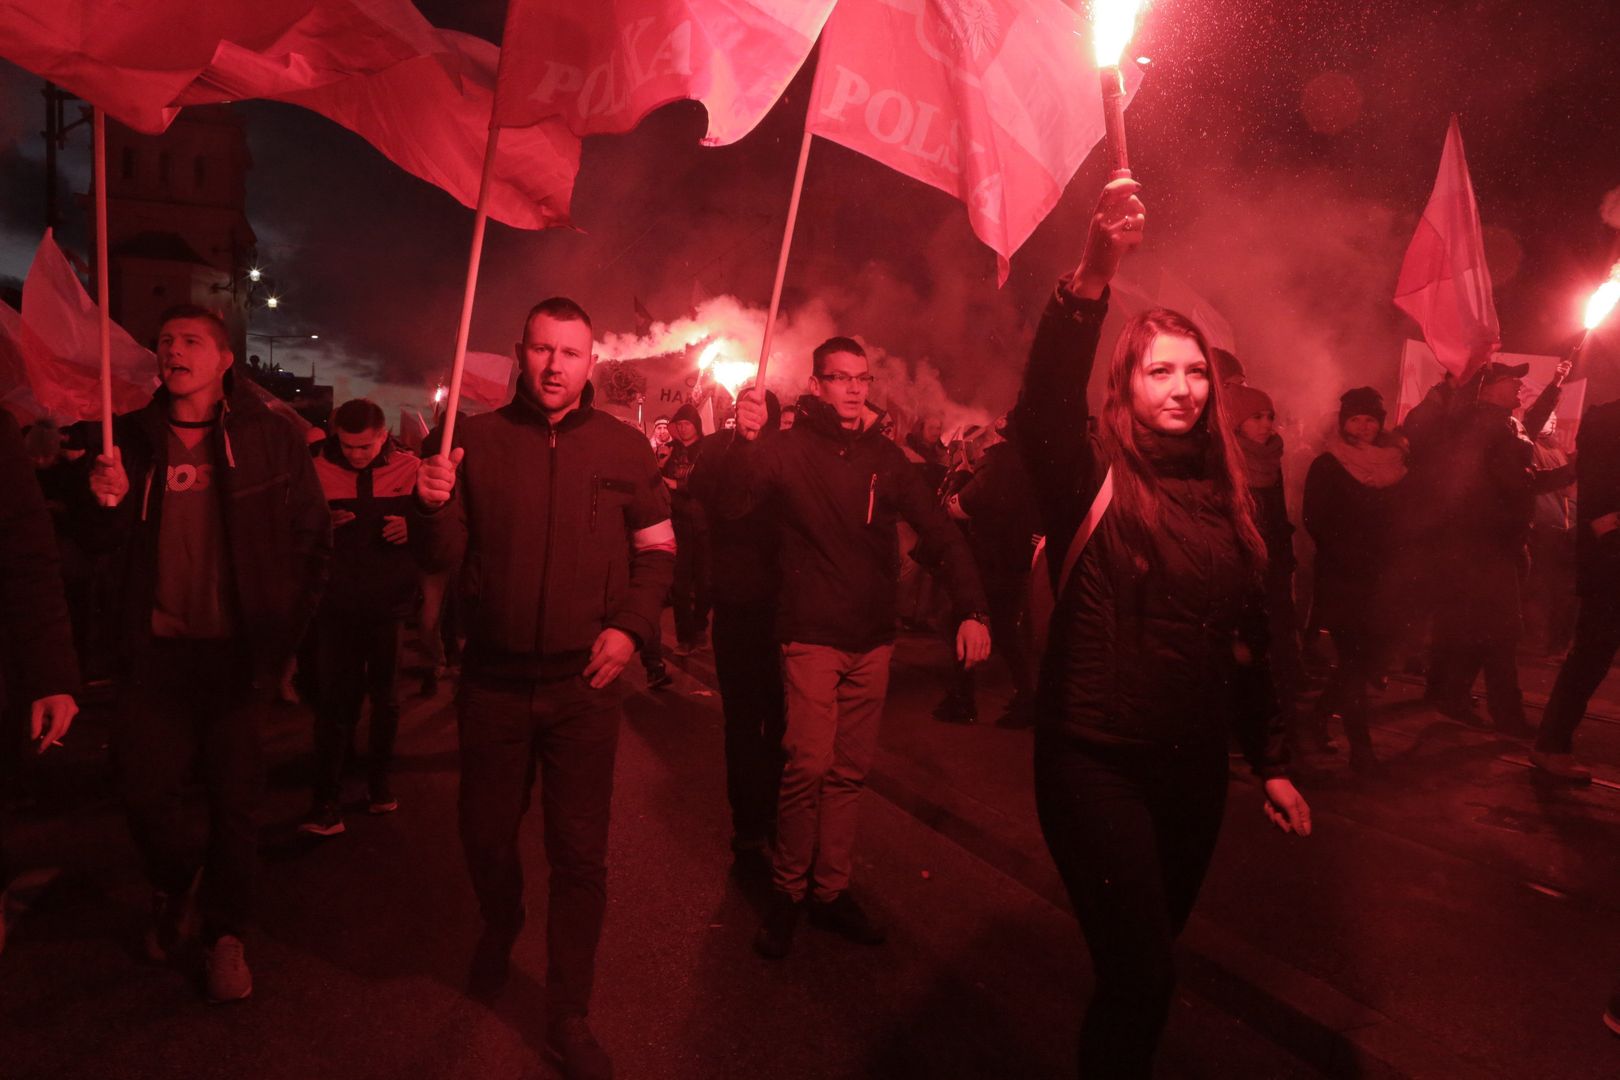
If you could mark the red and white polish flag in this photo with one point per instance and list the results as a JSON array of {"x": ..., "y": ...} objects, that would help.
[
  {"x": 996, "y": 102},
  {"x": 601, "y": 66}
]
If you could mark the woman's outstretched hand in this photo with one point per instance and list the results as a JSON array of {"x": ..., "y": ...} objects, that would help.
[
  {"x": 1116, "y": 227},
  {"x": 1286, "y": 807}
]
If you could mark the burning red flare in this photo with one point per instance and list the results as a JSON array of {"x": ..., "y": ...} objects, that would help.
[
  {"x": 1113, "y": 24},
  {"x": 1603, "y": 300}
]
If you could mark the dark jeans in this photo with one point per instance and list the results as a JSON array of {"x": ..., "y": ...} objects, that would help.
[
  {"x": 190, "y": 711},
  {"x": 748, "y": 664},
  {"x": 1132, "y": 831},
  {"x": 357, "y": 658},
  {"x": 690, "y": 593},
  {"x": 508, "y": 728},
  {"x": 1455, "y": 666},
  {"x": 1597, "y": 638},
  {"x": 1360, "y": 659}
]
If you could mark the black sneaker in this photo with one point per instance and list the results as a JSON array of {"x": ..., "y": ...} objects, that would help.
[
  {"x": 380, "y": 796},
  {"x": 842, "y": 915},
  {"x": 324, "y": 820},
  {"x": 574, "y": 1050},
  {"x": 659, "y": 678},
  {"x": 491, "y": 962},
  {"x": 775, "y": 937},
  {"x": 1020, "y": 714},
  {"x": 170, "y": 928}
]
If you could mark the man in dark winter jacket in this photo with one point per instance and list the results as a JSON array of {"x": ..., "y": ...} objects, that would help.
[
  {"x": 838, "y": 487},
  {"x": 38, "y": 667},
  {"x": 746, "y": 661},
  {"x": 1597, "y": 579},
  {"x": 690, "y": 595},
  {"x": 224, "y": 541},
  {"x": 1487, "y": 488},
  {"x": 559, "y": 523},
  {"x": 369, "y": 487}
]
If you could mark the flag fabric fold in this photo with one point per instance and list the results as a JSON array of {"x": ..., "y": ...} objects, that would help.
[
  {"x": 601, "y": 66},
  {"x": 423, "y": 97},
  {"x": 50, "y": 351},
  {"x": 486, "y": 381},
  {"x": 1444, "y": 283},
  {"x": 996, "y": 102}
]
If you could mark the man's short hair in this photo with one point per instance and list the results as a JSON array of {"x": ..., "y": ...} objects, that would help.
[
  {"x": 216, "y": 324},
  {"x": 359, "y": 416},
  {"x": 560, "y": 308},
  {"x": 831, "y": 345}
]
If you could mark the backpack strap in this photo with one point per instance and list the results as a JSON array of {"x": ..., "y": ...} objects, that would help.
[{"x": 1082, "y": 536}]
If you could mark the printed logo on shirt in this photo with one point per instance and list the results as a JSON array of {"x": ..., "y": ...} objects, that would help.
[{"x": 190, "y": 477}]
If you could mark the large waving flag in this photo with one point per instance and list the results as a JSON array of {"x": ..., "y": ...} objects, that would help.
[
  {"x": 50, "y": 352},
  {"x": 996, "y": 102},
  {"x": 600, "y": 66},
  {"x": 421, "y": 96},
  {"x": 1444, "y": 283}
]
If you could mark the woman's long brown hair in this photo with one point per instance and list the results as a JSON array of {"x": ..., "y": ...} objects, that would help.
[{"x": 1136, "y": 487}]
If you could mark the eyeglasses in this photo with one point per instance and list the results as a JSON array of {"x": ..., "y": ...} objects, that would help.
[{"x": 839, "y": 378}]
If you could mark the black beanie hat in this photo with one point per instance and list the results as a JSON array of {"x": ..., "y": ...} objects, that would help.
[
  {"x": 689, "y": 412},
  {"x": 1362, "y": 401}
]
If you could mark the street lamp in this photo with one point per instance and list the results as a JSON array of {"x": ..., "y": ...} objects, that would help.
[{"x": 273, "y": 338}]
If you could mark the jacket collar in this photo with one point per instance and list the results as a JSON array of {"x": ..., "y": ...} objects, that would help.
[
  {"x": 524, "y": 407},
  {"x": 240, "y": 400},
  {"x": 824, "y": 420}
]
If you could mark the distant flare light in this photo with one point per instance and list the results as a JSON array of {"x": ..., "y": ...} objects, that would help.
[
  {"x": 723, "y": 369},
  {"x": 1603, "y": 300},
  {"x": 439, "y": 395}
]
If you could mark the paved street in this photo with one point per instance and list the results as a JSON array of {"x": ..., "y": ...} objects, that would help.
[{"x": 1452, "y": 919}]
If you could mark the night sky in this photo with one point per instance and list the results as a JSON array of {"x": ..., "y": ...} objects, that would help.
[{"x": 1287, "y": 148}]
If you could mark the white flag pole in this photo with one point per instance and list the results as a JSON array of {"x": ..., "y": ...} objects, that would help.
[
  {"x": 787, "y": 236},
  {"x": 480, "y": 218},
  {"x": 103, "y": 288}
]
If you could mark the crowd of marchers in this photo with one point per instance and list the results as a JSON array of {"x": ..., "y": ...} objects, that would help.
[{"x": 1130, "y": 556}]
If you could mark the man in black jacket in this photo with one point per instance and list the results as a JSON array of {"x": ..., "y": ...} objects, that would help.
[
  {"x": 1597, "y": 579},
  {"x": 838, "y": 487},
  {"x": 559, "y": 523},
  {"x": 38, "y": 667},
  {"x": 690, "y": 595},
  {"x": 1487, "y": 492},
  {"x": 746, "y": 663},
  {"x": 224, "y": 541},
  {"x": 368, "y": 486}
]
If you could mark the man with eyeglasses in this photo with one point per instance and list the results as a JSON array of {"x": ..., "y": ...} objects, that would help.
[{"x": 838, "y": 487}]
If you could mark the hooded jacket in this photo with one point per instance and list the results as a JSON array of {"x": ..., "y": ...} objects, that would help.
[
  {"x": 837, "y": 495},
  {"x": 277, "y": 529},
  {"x": 370, "y": 576},
  {"x": 1162, "y": 648},
  {"x": 543, "y": 525}
]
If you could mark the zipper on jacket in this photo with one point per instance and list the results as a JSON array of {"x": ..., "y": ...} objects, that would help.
[
  {"x": 871, "y": 499},
  {"x": 551, "y": 529},
  {"x": 596, "y": 494}
]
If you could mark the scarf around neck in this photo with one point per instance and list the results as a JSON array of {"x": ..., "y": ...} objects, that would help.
[
  {"x": 1262, "y": 462},
  {"x": 1376, "y": 465}
]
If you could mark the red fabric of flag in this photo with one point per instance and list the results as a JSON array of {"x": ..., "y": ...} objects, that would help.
[
  {"x": 50, "y": 352},
  {"x": 1444, "y": 282},
  {"x": 601, "y": 66},
  {"x": 421, "y": 96},
  {"x": 996, "y": 102}
]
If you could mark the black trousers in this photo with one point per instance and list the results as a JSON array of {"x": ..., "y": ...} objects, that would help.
[
  {"x": 1597, "y": 639},
  {"x": 357, "y": 658},
  {"x": 568, "y": 732},
  {"x": 690, "y": 594},
  {"x": 1360, "y": 658},
  {"x": 1132, "y": 831},
  {"x": 748, "y": 664},
  {"x": 191, "y": 712}
]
